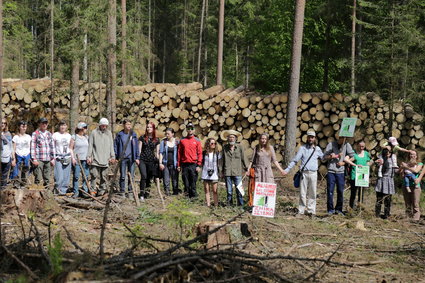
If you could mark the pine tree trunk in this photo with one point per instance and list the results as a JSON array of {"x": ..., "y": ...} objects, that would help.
[
  {"x": 220, "y": 44},
  {"x": 294, "y": 83},
  {"x": 201, "y": 29},
  {"x": 85, "y": 59},
  {"x": 52, "y": 66},
  {"x": 112, "y": 59},
  {"x": 75, "y": 94},
  {"x": 353, "y": 48},
  {"x": 149, "y": 41},
  {"x": 1, "y": 94},
  {"x": 206, "y": 46},
  {"x": 124, "y": 42}
]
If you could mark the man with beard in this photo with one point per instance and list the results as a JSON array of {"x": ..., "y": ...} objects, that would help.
[
  {"x": 308, "y": 154},
  {"x": 100, "y": 154}
]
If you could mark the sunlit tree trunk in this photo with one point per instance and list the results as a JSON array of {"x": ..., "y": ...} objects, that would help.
[{"x": 294, "y": 83}]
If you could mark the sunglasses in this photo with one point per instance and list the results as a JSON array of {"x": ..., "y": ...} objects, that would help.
[
  {"x": 190, "y": 128},
  {"x": 212, "y": 143}
]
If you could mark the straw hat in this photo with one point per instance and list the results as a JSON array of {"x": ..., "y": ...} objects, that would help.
[{"x": 224, "y": 135}]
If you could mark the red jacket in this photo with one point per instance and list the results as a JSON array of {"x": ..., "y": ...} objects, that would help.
[{"x": 190, "y": 151}]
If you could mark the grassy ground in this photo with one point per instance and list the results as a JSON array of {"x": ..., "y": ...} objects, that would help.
[{"x": 395, "y": 246}]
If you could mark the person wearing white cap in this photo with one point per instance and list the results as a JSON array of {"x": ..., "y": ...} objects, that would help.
[
  {"x": 80, "y": 146},
  {"x": 100, "y": 154},
  {"x": 308, "y": 153}
]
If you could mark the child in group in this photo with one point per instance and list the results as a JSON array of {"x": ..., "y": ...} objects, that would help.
[
  {"x": 393, "y": 145},
  {"x": 407, "y": 172},
  {"x": 385, "y": 185}
]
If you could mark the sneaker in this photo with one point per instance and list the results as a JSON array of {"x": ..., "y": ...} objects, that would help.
[
  {"x": 340, "y": 213},
  {"x": 331, "y": 212},
  {"x": 75, "y": 195},
  {"x": 142, "y": 198},
  {"x": 408, "y": 189}
]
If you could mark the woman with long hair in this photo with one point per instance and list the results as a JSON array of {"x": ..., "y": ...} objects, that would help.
[
  {"x": 63, "y": 155},
  {"x": 168, "y": 161},
  {"x": 210, "y": 167},
  {"x": 361, "y": 158},
  {"x": 411, "y": 190},
  {"x": 262, "y": 160},
  {"x": 385, "y": 184},
  {"x": 79, "y": 145},
  {"x": 7, "y": 154},
  {"x": 22, "y": 148},
  {"x": 149, "y": 164}
]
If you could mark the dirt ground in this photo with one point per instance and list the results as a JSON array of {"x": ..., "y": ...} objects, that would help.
[{"x": 377, "y": 250}]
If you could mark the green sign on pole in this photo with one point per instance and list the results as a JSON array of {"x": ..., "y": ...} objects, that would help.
[
  {"x": 362, "y": 176},
  {"x": 347, "y": 127}
]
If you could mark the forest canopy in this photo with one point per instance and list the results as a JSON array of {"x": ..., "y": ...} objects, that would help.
[{"x": 164, "y": 43}]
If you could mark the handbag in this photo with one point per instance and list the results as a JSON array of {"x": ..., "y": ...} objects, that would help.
[{"x": 298, "y": 176}]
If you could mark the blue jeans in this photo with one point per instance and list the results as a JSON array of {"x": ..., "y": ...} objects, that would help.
[
  {"x": 62, "y": 176},
  {"x": 76, "y": 178},
  {"x": 171, "y": 175},
  {"x": 230, "y": 181},
  {"x": 337, "y": 179},
  {"x": 409, "y": 179},
  {"x": 127, "y": 165},
  {"x": 25, "y": 161},
  {"x": 5, "y": 167}
]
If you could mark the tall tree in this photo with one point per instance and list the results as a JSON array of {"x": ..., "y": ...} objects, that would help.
[
  {"x": 353, "y": 48},
  {"x": 201, "y": 29},
  {"x": 294, "y": 83},
  {"x": 124, "y": 42},
  {"x": 220, "y": 43},
  {"x": 52, "y": 60},
  {"x": 75, "y": 93},
  {"x": 112, "y": 61}
]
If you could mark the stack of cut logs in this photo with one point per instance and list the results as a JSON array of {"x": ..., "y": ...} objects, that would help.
[{"x": 215, "y": 109}]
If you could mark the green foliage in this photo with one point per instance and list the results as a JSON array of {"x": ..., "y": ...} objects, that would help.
[
  {"x": 55, "y": 254},
  {"x": 20, "y": 279},
  {"x": 148, "y": 216},
  {"x": 178, "y": 213}
]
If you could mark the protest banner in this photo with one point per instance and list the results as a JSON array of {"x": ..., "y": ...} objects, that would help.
[
  {"x": 264, "y": 199},
  {"x": 362, "y": 176},
  {"x": 348, "y": 126}
]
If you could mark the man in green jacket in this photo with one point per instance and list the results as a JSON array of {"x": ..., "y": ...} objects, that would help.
[
  {"x": 234, "y": 164},
  {"x": 100, "y": 154}
]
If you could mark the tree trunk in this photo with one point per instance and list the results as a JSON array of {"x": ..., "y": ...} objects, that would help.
[
  {"x": 124, "y": 42},
  {"x": 75, "y": 94},
  {"x": 149, "y": 41},
  {"x": 247, "y": 68},
  {"x": 353, "y": 49},
  {"x": 206, "y": 46},
  {"x": 325, "y": 85},
  {"x": 220, "y": 44},
  {"x": 85, "y": 59},
  {"x": 294, "y": 83},
  {"x": 201, "y": 29},
  {"x": 1, "y": 97},
  {"x": 112, "y": 59},
  {"x": 163, "y": 60},
  {"x": 52, "y": 46}
]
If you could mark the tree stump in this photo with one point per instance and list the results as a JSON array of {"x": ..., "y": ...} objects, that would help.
[{"x": 226, "y": 237}]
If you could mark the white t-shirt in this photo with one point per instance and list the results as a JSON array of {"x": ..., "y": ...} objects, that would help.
[
  {"x": 61, "y": 142},
  {"x": 23, "y": 144},
  {"x": 211, "y": 162}
]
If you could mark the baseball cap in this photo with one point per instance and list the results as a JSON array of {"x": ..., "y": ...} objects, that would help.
[
  {"x": 190, "y": 125},
  {"x": 311, "y": 133},
  {"x": 42, "y": 120},
  {"x": 393, "y": 141},
  {"x": 81, "y": 125},
  {"x": 104, "y": 121}
]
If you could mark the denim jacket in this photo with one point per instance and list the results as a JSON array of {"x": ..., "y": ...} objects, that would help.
[
  {"x": 119, "y": 144},
  {"x": 163, "y": 149}
]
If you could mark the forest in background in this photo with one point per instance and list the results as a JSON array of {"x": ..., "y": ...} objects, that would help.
[{"x": 176, "y": 42}]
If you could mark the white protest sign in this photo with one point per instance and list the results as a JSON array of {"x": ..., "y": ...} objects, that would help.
[
  {"x": 348, "y": 126},
  {"x": 264, "y": 199}
]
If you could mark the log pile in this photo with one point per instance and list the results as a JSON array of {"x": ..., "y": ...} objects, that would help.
[{"x": 215, "y": 109}]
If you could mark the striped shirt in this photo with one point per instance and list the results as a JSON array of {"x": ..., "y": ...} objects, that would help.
[{"x": 42, "y": 147}]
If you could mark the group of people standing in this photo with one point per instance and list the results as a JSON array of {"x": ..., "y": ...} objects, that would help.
[
  {"x": 89, "y": 157},
  {"x": 342, "y": 162}
]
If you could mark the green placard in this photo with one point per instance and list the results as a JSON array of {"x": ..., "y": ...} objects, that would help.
[
  {"x": 362, "y": 176},
  {"x": 347, "y": 127}
]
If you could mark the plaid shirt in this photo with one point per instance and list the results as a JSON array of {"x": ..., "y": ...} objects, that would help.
[{"x": 42, "y": 146}]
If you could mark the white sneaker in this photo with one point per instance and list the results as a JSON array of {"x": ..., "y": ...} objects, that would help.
[{"x": 142, "y": 198}]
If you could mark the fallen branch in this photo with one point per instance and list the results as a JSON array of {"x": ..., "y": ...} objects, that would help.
[{"x": 23, "y": 265}]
